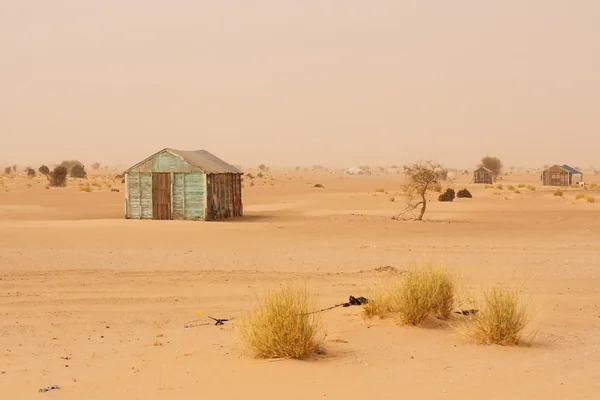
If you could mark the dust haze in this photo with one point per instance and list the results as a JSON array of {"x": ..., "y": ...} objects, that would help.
[{"x": 300, "y": 83}]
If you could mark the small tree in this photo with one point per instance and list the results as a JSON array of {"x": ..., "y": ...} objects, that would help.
[
  {"x": 493, "y": 164},
  {"x": 44, "y": 170},
  {"x": 30, "y": 171},
  {"x": 96, "y": 166},
  {"x": 78, "y": 171},
  {"x": 8, "y": 170},
  {"x": 421, "y": 178},
  {"x": 58, "y": 177},
  {"x": 69, "y": 164}
]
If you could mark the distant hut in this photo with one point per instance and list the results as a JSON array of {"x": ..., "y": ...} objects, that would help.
[
  {"x": 483, "y": 175},
  {"x": 191, "y": 185},
  {"x": 561, "y": 175},
  {"x": 356, "y": 170}
]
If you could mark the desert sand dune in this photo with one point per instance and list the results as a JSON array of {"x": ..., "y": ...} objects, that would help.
[{"x": 97, "y": 304}]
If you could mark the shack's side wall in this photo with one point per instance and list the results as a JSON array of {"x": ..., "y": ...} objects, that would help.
[
  {"x": 556, "y": 176},
  {"x": 224, "y": 196},
  {"x": 483, "y": 177},
  {"x": 165, "y": 162},
  {"x": 139, "y": 195},
  {"x": 189, "y": 195}
]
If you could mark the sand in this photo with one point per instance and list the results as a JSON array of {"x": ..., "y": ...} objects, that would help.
[{"x": 97, "y": 304}]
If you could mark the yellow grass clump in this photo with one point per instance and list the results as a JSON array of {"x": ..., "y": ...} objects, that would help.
[
  {"x": 531, "y": 188},
  {"x": 85, "y": 188},
  {"x": 579, "y": 196},
  {"x": 379, "y": 190},
  {"x": 501, "y": 320},
  {"x": 511, "y": 188},
  {"x": 281, "y": 325},
  {"x": 558, "y": 193},
  {"x": 590, "y": 199},
  {"x": 499, "y": 186},
  {"x": 521, "y": 185},
  {"x": 422, "y": 291}
]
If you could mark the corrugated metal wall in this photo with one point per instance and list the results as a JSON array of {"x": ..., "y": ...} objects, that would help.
[
  {"x": 556, "y": 176},
  {"x": 224, "y": 196},
  {"x": 189, "y": 194},
  {"x": 139, "y": 195}
]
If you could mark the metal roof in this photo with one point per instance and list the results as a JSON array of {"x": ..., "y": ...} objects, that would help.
[
  {"x": 571, "y": 169},
  {"x": 207, "y": 162},
  {"x": 482, "y": 169}
]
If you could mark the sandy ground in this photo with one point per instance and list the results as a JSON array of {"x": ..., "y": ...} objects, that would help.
[{"x": 97, "y": 304}]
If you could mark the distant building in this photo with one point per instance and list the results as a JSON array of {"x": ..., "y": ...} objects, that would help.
[
  {"x": 356, "y": 170},
  {"x": 174, "y": 184},
  {"x": 561, "y": 175},
  {"x": 483, "y": 175}
]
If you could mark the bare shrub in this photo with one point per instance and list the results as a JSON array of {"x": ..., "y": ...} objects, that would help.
[
  {"x": 281, "y": 325},
  {"x": 558, "y": 193},
  {"x": 501, "y": 320},
  {"x": 421, "y": 177},
  {"x": 30, "y": 172}
]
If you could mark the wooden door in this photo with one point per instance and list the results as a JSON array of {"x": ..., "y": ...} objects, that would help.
[{"x": 161, "y": 196}]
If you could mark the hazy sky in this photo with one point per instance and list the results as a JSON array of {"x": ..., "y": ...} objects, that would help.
[{"x": 301, "y": 82}]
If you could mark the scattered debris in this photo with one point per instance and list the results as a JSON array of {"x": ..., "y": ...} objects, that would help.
[
  {"x": 218, "y": 321},
  {"x": 356, "y": 301},
  {"x": 49, "y": 388},
  {"x": 467, "y": 312}
]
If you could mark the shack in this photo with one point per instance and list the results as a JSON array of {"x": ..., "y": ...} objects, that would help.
[
  {"x": 483, "y": 175},
  {"x": 561, "y": 175},
  {"x": 184, "y": 185}
]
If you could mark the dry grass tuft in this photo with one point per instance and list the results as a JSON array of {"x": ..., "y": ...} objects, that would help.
[
  {"x": 392, "y": 199},
  {"x": 511, "y": 188},
  {"x": 281, "y": 326},
  {"x": 379, "y": 190},
  {"x": 437, "y": 188},
  {"x": 558, "y": 193},
  {"x": 521, "y": 185},
  {"x": 499, "y": 186},
  {"x": 85, "y": 188},
  {"x": 579, "y": 196},
  {"x": 422, "y": 291},
  {"x": 380, "y": 301},
  {"x": 501, "y": 320},
  {"x": 590, "y": 199}
]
